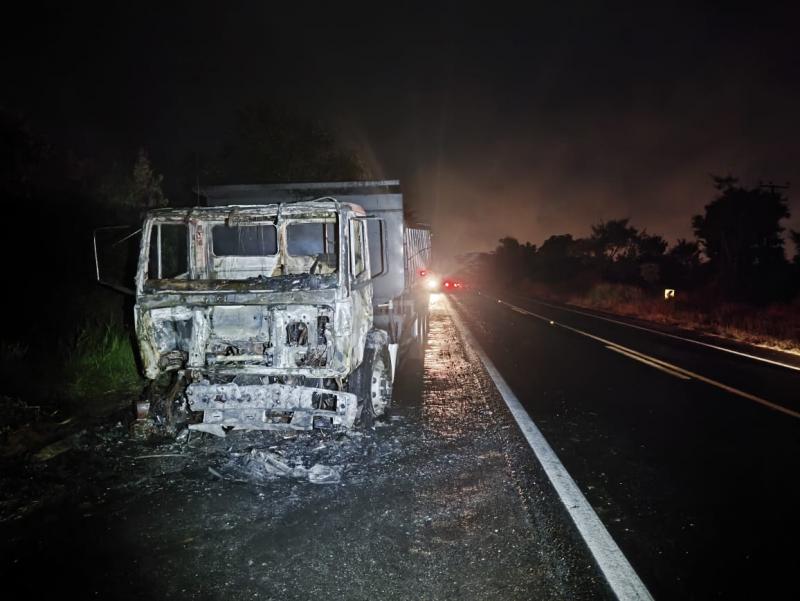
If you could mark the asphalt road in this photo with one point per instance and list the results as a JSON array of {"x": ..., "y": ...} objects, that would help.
[
  {"x": 689, "y": 455},
  {"x": 442, "y": 501}
]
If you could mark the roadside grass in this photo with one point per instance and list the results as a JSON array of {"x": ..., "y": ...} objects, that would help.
[
  {"x": 91, "y": 374},
  {"x": 100, "y": 361},
  {"x": 775, "y": 326}
]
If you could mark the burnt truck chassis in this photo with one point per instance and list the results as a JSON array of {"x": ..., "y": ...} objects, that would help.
[{"x": 289, "y": 353}]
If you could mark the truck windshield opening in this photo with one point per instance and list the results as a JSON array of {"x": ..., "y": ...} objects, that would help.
[
  {"x": 242, "y": 252},
  {"x": 245, "y": 240}
]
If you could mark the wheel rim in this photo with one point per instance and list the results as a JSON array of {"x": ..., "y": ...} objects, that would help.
[{"x": 380, "y": 386}]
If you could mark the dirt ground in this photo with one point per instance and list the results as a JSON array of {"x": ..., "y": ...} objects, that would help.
[{"x": 442, "y": 500}]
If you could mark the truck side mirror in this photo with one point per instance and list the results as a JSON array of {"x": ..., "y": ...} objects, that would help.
[{"x": 119, "y": 256}]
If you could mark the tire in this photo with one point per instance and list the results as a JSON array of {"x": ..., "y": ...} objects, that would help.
[
  {"x": 163, "y": 396},
  {"x": 372, "y": 383},
  {"x": 418, "y": 345}
]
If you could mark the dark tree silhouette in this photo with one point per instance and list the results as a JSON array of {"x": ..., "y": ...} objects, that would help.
[
  {"x": 682, "y": 267},
  {"x": 273, "y": 144},
  {"x": 650, "y": 247},
  {"x": 559, "y": 245},
  {"x": 515, "y": 259},
  {"x": 740, "y": 233},
  {"x": 614, "y": 239},
  {"x": 559, "y": 258},
  {"x": 685, "y": 253},
  {"x": 136, "y": 190}
]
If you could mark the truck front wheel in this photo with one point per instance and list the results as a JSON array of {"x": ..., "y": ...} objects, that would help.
[
  {"x": 371, "y": 382},
  {"x": 162, "y": 399}
]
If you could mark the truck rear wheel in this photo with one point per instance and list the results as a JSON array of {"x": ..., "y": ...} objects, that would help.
[
  {"x": 423, "y": 327},
  {"x": 371, "y": 382},
  {"x": 414, "y": 348}
]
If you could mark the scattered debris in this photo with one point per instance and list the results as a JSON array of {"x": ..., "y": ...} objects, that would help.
[
  {"x": 323, "y": 474},
  {"x": 214, "y": 429},
  {"x": 53, "y": 450},
  {"x": 266, "y": 465},
  {"x": 159, "y": 456},
  {"x": 274, "y": 465},
  {"x": 58, "y": 447}
]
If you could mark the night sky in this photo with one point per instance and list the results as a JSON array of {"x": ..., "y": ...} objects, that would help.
[{"x": 498, "y": 121}]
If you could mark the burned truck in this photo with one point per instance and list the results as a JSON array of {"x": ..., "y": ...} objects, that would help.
[{"x": 279, "y": 306}]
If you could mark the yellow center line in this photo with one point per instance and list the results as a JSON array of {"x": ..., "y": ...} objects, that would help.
[
  {"x": 666, "y": 370},
  {"x": 668, "y": 335},
  {"x": 658, "y": 362}
]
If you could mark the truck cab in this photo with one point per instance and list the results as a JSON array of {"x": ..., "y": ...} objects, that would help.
[{"x": 264, "y": 316}]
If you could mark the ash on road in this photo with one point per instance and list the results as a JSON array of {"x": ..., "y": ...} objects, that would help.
[{"x": 442, "y": 501}]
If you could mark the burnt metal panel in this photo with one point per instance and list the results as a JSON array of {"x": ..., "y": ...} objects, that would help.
[{"x": 417, "y": 252}]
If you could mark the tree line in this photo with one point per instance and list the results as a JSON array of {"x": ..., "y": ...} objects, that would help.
[{"x": 739, "y": 252}]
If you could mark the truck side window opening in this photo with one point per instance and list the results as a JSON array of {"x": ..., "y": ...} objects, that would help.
[
  {"x": 244, "y": 240},
  {"x": 168, "y": 253},
  {"x": 375, "y": 244},
  {"x": 357, "y": 233}
]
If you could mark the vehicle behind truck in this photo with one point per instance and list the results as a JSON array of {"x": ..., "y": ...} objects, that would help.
[{"x": 279, "y": 306}]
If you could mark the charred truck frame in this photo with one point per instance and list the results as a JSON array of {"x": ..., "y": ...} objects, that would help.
[{"x": 279, "y": 306}]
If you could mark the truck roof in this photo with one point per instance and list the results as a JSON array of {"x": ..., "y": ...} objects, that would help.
[{"x": 325, "y": 205}]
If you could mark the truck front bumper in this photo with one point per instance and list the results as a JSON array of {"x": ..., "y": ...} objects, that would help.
[{"x": 270, "y": 407}]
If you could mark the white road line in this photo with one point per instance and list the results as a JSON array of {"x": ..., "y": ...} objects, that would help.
[
  {"x": 618, "y": 572},
  {"x": 668, "y": 335},
  {"x": 670, "y": 366}
]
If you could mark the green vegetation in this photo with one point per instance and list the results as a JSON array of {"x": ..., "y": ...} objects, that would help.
[{"x": 101, "y": 361}]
